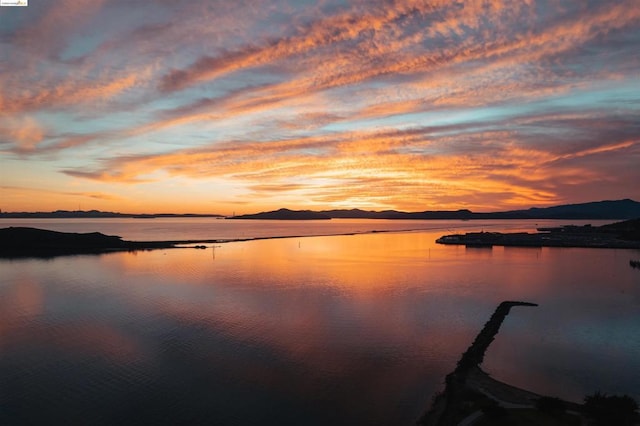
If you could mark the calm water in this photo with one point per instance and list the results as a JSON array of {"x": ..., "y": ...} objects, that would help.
[
  {"x": 172, "y": 229},
  {"x": 357, "y": 329}
]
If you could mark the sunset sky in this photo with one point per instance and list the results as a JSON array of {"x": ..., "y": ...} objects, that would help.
[{"x": 242, "y": 106}]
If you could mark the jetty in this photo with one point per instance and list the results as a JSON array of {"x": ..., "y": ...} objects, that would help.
[{"x": 446, "y": 407}]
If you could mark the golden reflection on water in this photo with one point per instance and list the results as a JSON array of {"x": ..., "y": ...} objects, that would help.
[
  {"x": 23, "y": 299},
  {"x": 298, "y": 286},
  {"x": 21, "y": 302},
  {"x": 278, "y": 290},
  {"x": 360, "y": 263},
  {"x": 330, "y": 305}
]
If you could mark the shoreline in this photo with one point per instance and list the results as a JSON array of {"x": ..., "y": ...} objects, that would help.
[
  {"x": 25, "y": 242},
  {"x": 619, "y": 235},
  {"x": 41, "y": 243}
]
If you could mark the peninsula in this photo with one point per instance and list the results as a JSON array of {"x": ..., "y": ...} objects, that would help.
[
  {"x": 21, "y": 242},
  {"x": 33, "y": 242},
  {"x": 624, "y": 234}
]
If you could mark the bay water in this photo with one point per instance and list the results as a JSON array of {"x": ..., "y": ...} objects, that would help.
[{"x": 311, "y": 329}]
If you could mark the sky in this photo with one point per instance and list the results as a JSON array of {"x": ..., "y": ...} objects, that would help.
[{"x": 245, "y": 106}]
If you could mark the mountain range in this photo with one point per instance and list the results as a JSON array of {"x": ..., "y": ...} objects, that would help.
[{"x": 609, "y": 209}]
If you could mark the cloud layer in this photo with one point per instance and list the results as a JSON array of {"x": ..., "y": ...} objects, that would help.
[{"x": 390, "y": 104}]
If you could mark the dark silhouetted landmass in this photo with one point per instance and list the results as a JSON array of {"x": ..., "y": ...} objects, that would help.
[
  {"x": 394, "y": 214},
  {"x": 33, "y": 242},
  {"x": 619, "y": 209},
  {"x": 40, "y": 243},
  {"x": 624, "y": 234},
  {"x": 604, "y": 210},
  {"x": 92, "y": 214},
  {"x": 285, "y": 214},
  {"x": 627, "y": 230}
]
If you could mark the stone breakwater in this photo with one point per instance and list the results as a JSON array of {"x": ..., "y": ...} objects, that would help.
[{"x": 445, "y": 407}]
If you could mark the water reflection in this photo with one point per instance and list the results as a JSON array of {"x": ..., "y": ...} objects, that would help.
[{"x": 339, "y": 330}]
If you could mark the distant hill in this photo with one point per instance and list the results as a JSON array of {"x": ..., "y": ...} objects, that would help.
[
  {"x": 620, "y": 209},
  {"x": 394, "y": 214},
  {"x": 617, "y": 209},
  {"x": 285, "y": 214},
  {"x": 94, "y": 214}
]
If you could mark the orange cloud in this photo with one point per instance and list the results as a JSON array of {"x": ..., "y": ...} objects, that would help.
[
  {"x": 346, "y": 168},
  {"x": 23, "y": 133},
  {"x": 375, "y": 101},
  {"x": 324, "y": 32},
  {"x": 385, "y": 168},
  {"x": 51, "y": 93}
]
